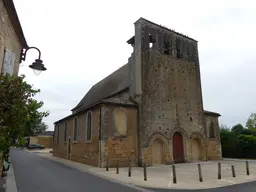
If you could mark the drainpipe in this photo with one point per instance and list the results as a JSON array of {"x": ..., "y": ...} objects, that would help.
[{"x": 138, "y": 131}]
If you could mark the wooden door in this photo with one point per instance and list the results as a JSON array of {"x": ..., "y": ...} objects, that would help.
[{"x": 178, "y": 148}]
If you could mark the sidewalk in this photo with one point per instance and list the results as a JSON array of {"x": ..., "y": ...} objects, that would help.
[
  {"x": 161, "y": 176},
  {"x": 47, "y": 150}
]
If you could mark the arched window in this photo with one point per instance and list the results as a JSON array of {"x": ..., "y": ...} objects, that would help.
[
  {"x": 65, "y": 131},
  {"x": 57, "y": 133},
  {"x": 75, "y": 129},
  {"x": 120, "y": 122},
  {"x": 211, "y": 130},
  {"x": 89, "y": 126}
]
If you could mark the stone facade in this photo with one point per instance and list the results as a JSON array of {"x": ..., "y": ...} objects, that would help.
[
  {"x": 213, "y": 137},
  {"x": 11, "y": 35},
  {"x": 151, "y": 109},
  {"x": 167, "y": 87},
  {"x": 81, "y": 150},
  {"x": 115, "y": 146}
]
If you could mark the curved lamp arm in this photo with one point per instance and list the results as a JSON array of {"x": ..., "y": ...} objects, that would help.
[{"x": 24, "y": 52}]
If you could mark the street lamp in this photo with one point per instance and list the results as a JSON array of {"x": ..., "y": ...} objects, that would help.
[{"x": 38, "y": 65}]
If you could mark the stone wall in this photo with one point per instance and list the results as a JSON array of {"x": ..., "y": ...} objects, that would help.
[
  {"x": 8, "y": 38},
  {"x": 32, "y": 140},
  {"x": 213, "y": 135},
  {"x": 47, "y": 141},
  {"x": 116, "y": 146},
  {"x": 165, "y": 81},
  {"x": 81, "y": 150}
]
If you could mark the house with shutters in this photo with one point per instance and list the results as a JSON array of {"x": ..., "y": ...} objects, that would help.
[{"x": 149, "y": 111}]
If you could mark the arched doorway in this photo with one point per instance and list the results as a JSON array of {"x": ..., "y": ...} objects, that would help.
[
  {"x": 178, "y": 148},
  {"x": 195, "y": 151},
  {"x": 157, "y": 151}
]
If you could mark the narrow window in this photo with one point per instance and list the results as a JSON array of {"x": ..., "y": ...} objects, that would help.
[
  {"x": 178, "y": 48},
  {"x": 89, "y": 126},
  {"x": 166, "y": 48},
  {"x": 151, "y": 41},
  {"x": 55, "y": 134},
  {"x": 189, "y": 52},
  {"x": 211, "y": 131},
  {"x": 65, "y": 132},
  {"x": 75, "y": 129},
  {"x": 58, "y": 133}
]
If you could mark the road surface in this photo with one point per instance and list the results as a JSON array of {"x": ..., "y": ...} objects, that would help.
[{"x": 37, "y": 174}]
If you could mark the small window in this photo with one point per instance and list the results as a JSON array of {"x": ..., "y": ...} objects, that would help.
[
  {"x": 75, "y": 129},
  {"x": 65, "y": 132},
  {"x": 178, "y": 48},
  {"x": 89, "y": 126},
  {"x": 189, "y": 55},
  {"x": 166, "y": 48},
  {"x": 151, "y": 42},
  {"x": 211, "y": 131},
  {"x": 8, "y": 62}
]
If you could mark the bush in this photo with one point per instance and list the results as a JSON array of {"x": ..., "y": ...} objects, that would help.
[{"x": 238, "y": 145}]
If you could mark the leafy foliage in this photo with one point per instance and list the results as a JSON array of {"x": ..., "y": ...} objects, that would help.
[
  {"x": 40, "y": 128},
  {"x": 238, "y": 129},
  {"x": 239, "y": 142},
  {"x": 251, "y": 122},
  {"x": 18, "y": 110},
  {"x": 34, "y": 118}
]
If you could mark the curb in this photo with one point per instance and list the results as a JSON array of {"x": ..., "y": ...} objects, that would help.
[
  {"x": 239, "y": 160},
  {"x": 10, "y": 181}
]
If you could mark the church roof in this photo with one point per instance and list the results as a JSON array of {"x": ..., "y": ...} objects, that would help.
[{"x": 109, "y": 86}]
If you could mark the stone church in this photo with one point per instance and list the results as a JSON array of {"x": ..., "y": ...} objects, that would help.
[{"x": 149, "y": 111}]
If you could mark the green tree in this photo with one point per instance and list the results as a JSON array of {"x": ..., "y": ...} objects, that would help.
[
  {"x": 224, "y": 127},
  {"x": 34, "y": 118},
  {"x": 251, "y": 122},
  {"x": 247, "y": 143},
  {"x": 40, "y": 128},
  {"x": 229, "y": 143},
  {"x": 17, "y": 108},
  {"x": 238, "y": 129}
]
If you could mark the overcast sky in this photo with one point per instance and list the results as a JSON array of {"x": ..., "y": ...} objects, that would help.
[{"x": 84, "y": 41}]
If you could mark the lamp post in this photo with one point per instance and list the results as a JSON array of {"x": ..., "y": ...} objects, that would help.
[{"x": 38, "y": 65}]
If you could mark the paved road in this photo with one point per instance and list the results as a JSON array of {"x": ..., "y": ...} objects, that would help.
[{"x": 37, "y": 174}]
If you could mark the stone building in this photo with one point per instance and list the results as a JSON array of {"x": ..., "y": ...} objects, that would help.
[
  {"x": 12, "y": 39},
  {"x": 149, "y": 110}
]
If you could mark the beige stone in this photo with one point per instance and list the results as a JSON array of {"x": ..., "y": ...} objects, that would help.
[{"x": 8, "y": 38}]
